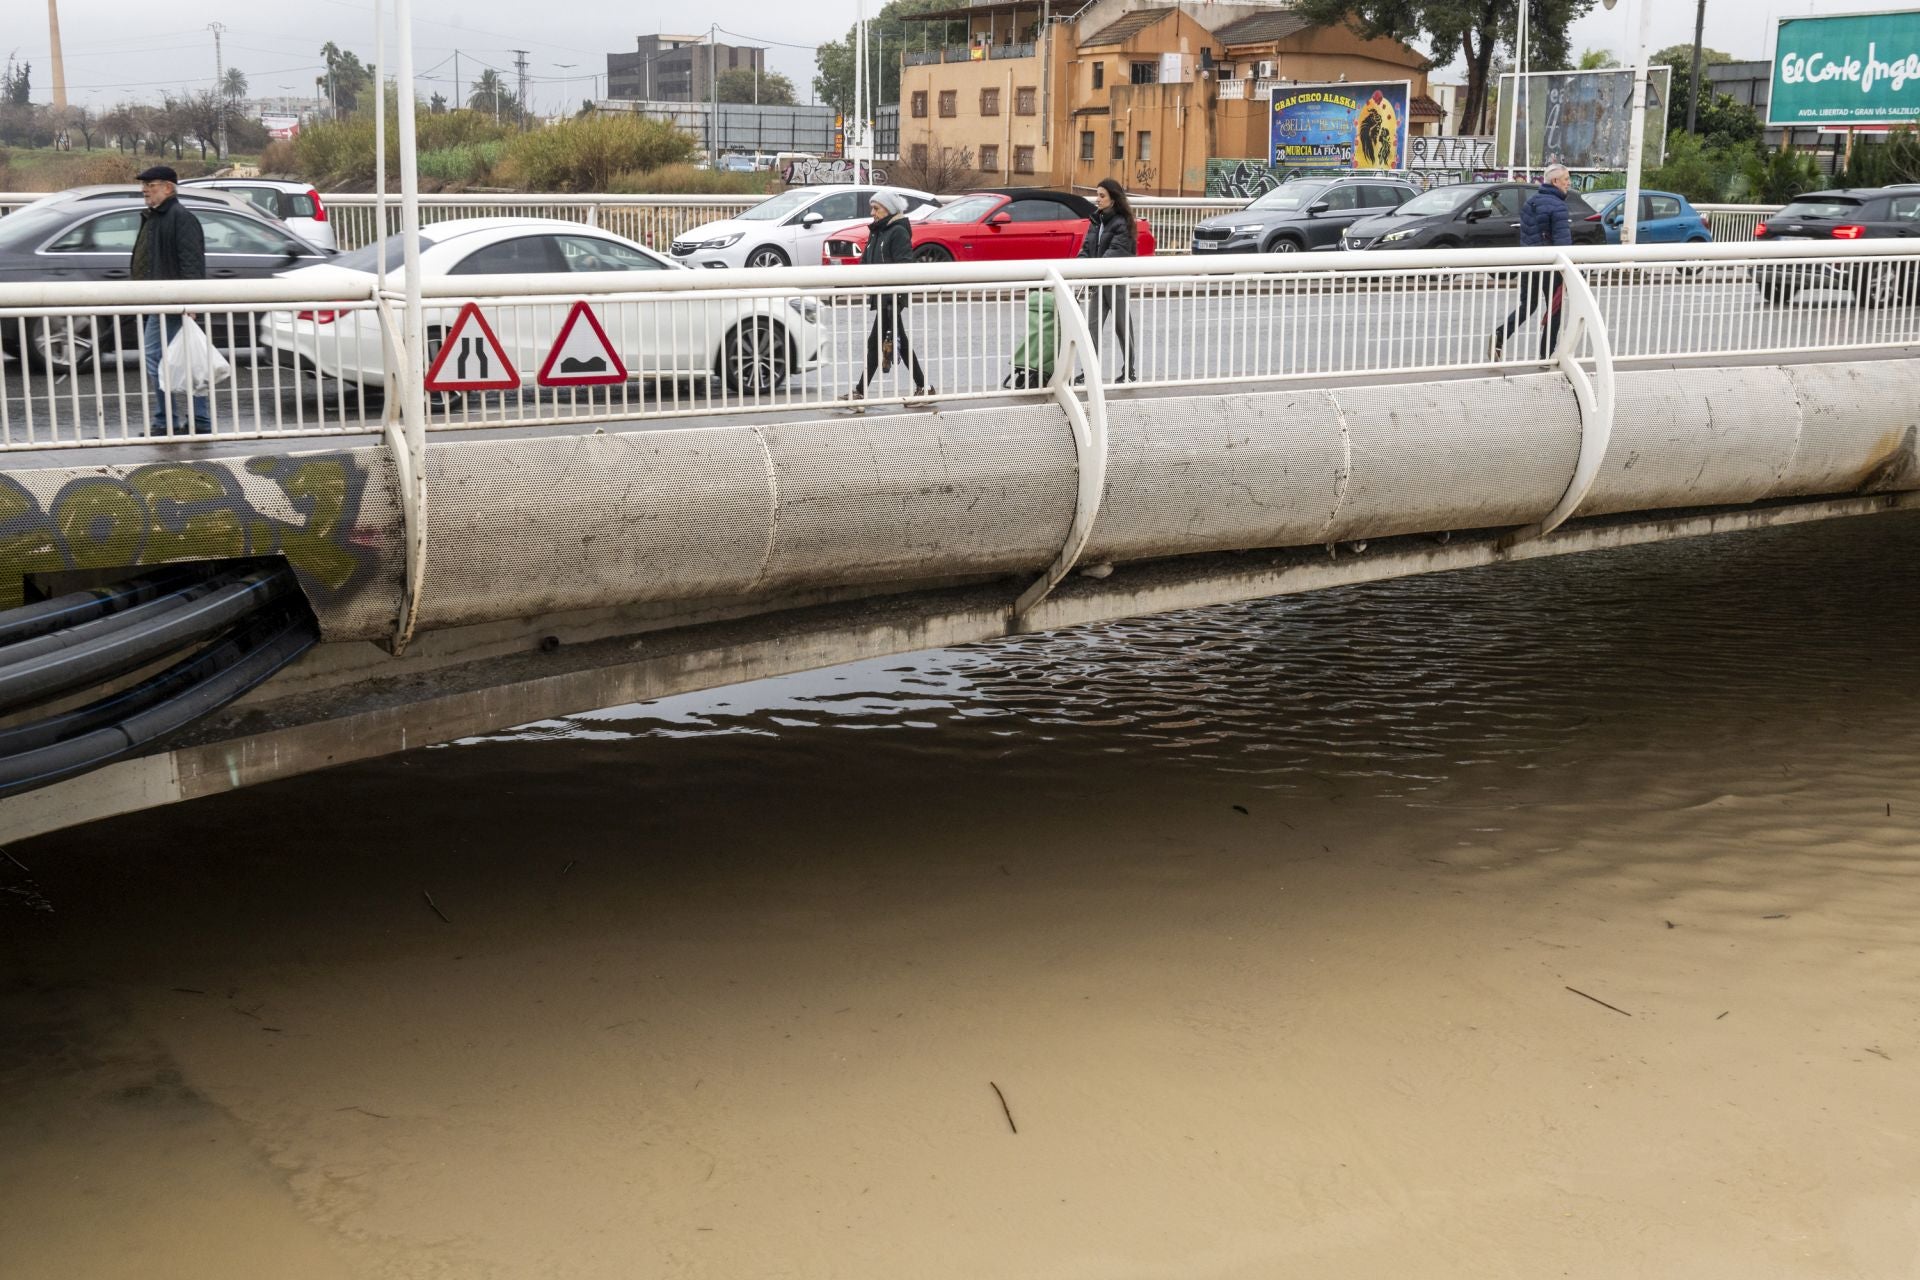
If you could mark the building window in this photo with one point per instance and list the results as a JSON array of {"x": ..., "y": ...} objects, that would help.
[
  {"x": 1023, "y": 159},
  {"x": 1143, "y": 73},
  {"x": 1025, "y": 101},
  {"x": 1143, "y": 147},
  {"x": 1099, "y": 75},
  {"x": 919, "y": 155},
  {"x": 1119, "y": 145},
  {"x": 949, "y": 103},
  {"x": 919, "y": 104},
  {"x": 1086, "y": 146},
  {"x": 989, "y": 102},
  {"x": 990, "y": 159}
]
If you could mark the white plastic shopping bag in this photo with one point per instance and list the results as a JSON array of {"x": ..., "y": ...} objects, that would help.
[{"x": 191, "y": 364}]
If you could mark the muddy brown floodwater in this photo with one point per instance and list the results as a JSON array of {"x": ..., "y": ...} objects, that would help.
[{"x": 1557, "y": 919}]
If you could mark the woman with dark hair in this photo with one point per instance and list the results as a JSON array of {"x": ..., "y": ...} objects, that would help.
[
  {"x": 1111, "y": 234},
  {"x": 889, "y": 240}
]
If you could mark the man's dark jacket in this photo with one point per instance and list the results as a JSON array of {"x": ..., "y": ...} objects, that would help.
[
  {"x": 1543, "y": 219},
  {"x": 1110, "y": 236},
  {"x": 170, "y": 245}
]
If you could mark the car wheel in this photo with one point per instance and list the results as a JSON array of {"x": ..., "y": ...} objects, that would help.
[
  {"x": 932, "y": 253},
  {"x": 1882, "y": 284},
  {"x": 60, "y": 344},
  {"x": 767, "y": 256},
  {"x": 754, "y": 359},
  {"x": 1281, "y": 244}
]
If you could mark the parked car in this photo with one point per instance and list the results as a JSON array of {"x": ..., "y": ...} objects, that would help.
[
  {"x": 736, "y": 164},
  {"x": 1006, "y": 224},
  {"x": 689, "y": 336},
  {"x": 1665, "y": 218},
  {"x": 297, "y": 204},
  {"x": 1861, "y": 213},
  {"x": 785, "y": 229},
  {"x": 88, "y": 234},
  {"x": 1472, "y": 215},
  {"x": 1309, "y": 214}
]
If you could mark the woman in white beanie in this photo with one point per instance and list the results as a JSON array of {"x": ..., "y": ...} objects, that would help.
[{"x": 889, "y": 240}]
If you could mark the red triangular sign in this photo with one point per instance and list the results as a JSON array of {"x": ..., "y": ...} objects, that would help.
[
  {"x": 582, "y": 356},
  {"x": 471, "y": 358}
]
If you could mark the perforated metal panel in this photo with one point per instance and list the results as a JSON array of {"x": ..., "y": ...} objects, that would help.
[
  {"x": 1858, "y": 427},
  {"x": 1696, "y": 437}
]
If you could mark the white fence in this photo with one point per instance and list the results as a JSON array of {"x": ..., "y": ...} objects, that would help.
[{"x": 803, "y": 339}]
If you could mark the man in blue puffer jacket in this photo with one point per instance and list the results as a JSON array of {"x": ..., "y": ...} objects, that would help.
[{"x": 1543, "y": 221}]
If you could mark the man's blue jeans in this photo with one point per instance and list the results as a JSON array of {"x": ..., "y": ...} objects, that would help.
[{"x": 167, "y": 414}]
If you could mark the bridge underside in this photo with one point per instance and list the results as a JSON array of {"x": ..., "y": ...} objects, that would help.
[{"x": 568, "y": 572}]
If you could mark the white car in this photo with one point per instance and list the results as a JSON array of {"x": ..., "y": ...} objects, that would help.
[
  {"x": 788, "y": 228},
  {"x": 297, "y": 204},
  {"x": 753, "y": 346}
]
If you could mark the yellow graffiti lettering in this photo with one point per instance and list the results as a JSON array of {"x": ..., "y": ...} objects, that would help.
[
  {"x": 26, "y": 542},
  {"x": 321, "y": 489},
  {"x": 193, "y": 514},
  {"x": 102, "y": 524}
]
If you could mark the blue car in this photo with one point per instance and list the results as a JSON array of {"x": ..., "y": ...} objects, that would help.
[{"x": 1665, "y": 218}]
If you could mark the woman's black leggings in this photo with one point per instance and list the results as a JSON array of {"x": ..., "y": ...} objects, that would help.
[
  {"x": 887, "y": 321},
  {"x": 1111, "y": 300}
]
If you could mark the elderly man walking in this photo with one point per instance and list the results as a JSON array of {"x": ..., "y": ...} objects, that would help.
[
  {"x": 1543, "y": 221},
  {"x": 170, "y": 246}
]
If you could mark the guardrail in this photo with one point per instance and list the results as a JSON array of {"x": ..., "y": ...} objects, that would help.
[
  {"x": 1734, "y": 223},
  {"x": 692, "y": 344}
]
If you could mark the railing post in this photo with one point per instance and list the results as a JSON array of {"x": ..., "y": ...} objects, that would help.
[
  {"x": 1594, "y": 393},
  {"x": 1089, "y": 426},
  {"x": 407, "y": 446}
]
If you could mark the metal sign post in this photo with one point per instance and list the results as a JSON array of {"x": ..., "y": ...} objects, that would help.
[
  {"x": 1637, "y": 127},
  {"x": 412, "y": 368}
]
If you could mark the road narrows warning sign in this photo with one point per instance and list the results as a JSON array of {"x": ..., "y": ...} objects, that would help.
[
  {"x": 582, "y": 356},
  {"x": 471, "y": 357}
]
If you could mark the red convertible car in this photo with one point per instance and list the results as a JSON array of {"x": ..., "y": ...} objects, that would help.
[{"x": 993, "y": 226}]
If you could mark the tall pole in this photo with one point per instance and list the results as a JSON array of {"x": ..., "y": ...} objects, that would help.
[
  {"x": 380, "y": 144},
  {"x": 413, "y": 378},
  {"x": 219, "y": 86},
  {"x": 713, "y": 97},
  {"x": 59, "y": 62},
  {"x": 457, "y": 102},
  {"x": 1519, "y": 74},
  {"x": 520, "y": 65},
  {"x": 1637, "y": 128},
  {"x": 1693, "y": 88}
]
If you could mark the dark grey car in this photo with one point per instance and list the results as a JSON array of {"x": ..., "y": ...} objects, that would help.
[
  {"x": 88, "y": 234},
  {"x": 1308, "y": 213}
]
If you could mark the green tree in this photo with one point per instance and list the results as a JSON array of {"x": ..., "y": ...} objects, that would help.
[
  {"x": 16, "y": 84},
  {"x": 1776, "y": 177},
  {"x": 234, "y": 83},
  {"x": 1711, "y": 118},
  {"x": 775, "y": 90},
  {"x": 888, "y": 32},
  {"x": 1598, "y": 60},
  {"x": 437, "y": 104},
  {"x": 491, "y": 96},
  {"x": 1468, "y": 29},
  {"x": 345, "y": 78}
]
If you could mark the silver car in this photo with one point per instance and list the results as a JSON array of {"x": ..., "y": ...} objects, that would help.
[{"x": 297, "y": 204}]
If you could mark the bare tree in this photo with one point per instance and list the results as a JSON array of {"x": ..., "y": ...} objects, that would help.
[{"x": 942, "y": 170}]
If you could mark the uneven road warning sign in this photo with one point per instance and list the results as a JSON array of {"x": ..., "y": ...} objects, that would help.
[
  {"x": 471, "y": 358},
  {"x": 581, "y": 355}
]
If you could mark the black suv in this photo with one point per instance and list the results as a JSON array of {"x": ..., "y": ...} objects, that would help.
[
  {"x": 1861, "y": 213},
  {"x": 1471, "y": 215},
  {"x": 1305, "y": 213}
]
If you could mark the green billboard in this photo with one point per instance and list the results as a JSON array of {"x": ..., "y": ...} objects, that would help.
[{"x": 1836, "y": 73}]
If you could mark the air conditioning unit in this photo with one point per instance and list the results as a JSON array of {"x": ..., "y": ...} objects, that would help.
[{"x": 1263, "y": 71}]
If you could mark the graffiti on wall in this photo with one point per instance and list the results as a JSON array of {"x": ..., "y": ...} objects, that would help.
[
  {"x": 1250, "y": 179},
  {"x": 814, "y": 173},
  {"x": 1458, "y": 154},
  {"x": 172, "y": 511}
]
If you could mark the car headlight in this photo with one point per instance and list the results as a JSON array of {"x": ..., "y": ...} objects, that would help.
[
  {"x": 724, "y": 242},
  {"x": 1248, "y": 228},
  {"x": 1407, "y": 234},
  {"x": 809, "y": 308}
]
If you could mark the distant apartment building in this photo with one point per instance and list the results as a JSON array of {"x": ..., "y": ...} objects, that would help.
[
  {"x": 666, "y": 68},
  {"x": 1139, "y": 90}
]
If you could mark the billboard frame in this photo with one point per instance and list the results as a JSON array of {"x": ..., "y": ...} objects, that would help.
[
  {"x": 1405, "y": 123},
  {"x": 1655, "y": 160}
]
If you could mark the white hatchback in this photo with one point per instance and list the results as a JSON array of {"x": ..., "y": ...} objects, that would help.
[
  {"x": 753, "y": 346},
  {"x": 297, "y": 204},
  {"x": 788, "y": 228}
]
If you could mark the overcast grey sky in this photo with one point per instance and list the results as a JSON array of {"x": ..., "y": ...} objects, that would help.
[{"x": 117, "y": 49}]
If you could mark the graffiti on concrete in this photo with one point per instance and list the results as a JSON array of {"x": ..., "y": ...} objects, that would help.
[
  {"x": 1241, "y": 179},
  {"x": 1457, "y": 154},
  {"x": 812, "y": 173},
  {"x": 172, "y": 511}
]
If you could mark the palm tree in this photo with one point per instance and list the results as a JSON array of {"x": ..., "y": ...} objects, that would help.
[
  {"x": 490, "y": 94},
  {"x": 234, "y": 84}
]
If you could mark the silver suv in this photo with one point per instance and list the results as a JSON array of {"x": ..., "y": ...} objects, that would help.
[
  {"x": 1306, "y": 213},
  {"x": 295, "y": 203}
]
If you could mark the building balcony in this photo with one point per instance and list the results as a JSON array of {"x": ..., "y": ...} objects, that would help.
[{"x": 967, "y": 53}]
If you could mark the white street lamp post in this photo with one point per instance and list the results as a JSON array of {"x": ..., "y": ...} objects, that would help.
[{"x": 1637, "y": 127}]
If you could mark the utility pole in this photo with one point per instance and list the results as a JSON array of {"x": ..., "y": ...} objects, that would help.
[
  {"x": 458, "y": 102},
  {"x": 1693, "y": 89},
  {"x": 220, "y": 84},
  {"x": 713, "y": 97},
  {"x": 520, "y": 65},
  {"x": 1637, "y": 127}
]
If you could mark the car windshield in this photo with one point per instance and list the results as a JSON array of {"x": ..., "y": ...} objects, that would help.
[
  {"x": 971, "y": 209},
  {"x": 1813, "y": 207},
  {"x": 779, "y": 207},
  {"x": 1291, "y": 196},
  {"x": 1439, "y": 200},
  {"x": 28, "y": 227},
  {"x": 367, "y": 258}
]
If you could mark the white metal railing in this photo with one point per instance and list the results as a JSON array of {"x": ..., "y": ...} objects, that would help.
[
  {"x": 1734, "y": 223},
  {"x": 652, "y": 220},
  {"x": 798, "y": 340}
]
